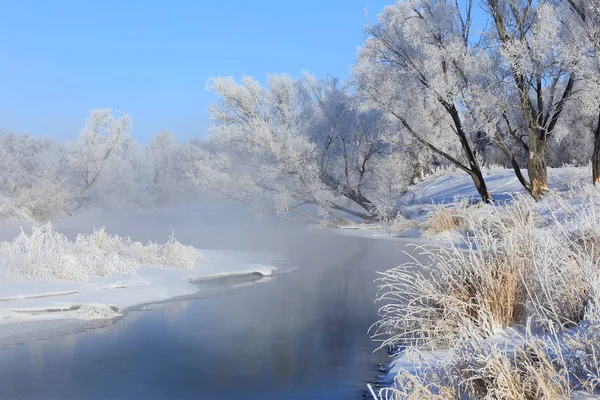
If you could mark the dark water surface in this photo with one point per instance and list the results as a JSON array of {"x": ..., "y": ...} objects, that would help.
[{"x": 300, "y": 335}]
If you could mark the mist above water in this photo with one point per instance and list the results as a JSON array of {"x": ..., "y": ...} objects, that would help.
[{"x": 301, "y": 334}]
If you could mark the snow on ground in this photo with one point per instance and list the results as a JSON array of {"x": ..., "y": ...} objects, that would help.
[
  {"x": 569, "y": 206},
  {"x": 103, "y": 298},
  {"x": 502, "y": 184},
  {"x": 437, "y": 191},
  {"x": 34, "y": 308}
]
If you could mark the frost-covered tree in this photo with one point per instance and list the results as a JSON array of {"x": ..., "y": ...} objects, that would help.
[
  {"x": 24, "y": 159},
  {"x": 573, "y": 139},
  {"x": 582, "y": 20},
  {"x": 169, "y": 163},
  {"x": 531, "y": 44},
  {"x": 292, "y": 145},
  {"x": 125, "y": 177},
  {"x": 265, "y": 152},
  {"x": 350, "y": 142},
  {"x": 417, "y": 65},
  {"x": 102, "y": 135},
  {"x": 34, "y": 180}
]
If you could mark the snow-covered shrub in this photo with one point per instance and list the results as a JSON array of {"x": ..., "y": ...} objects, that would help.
[
  {"x": 46, "y": 198},
  {"x": 493, "y": 168},
  {"x": 581, "y": 350},
  {"x": 442, "y": 170},
  {"x": 457, "y": 218},
  {"x": 412, "y": 386},
  {"x": 397, "y": 224},
  {"x": 9, "y": 211},
  {"x": 525, "y": 263},
  {"x": 520, "y": 214},
  {"x": 528, "y": 368},
  {"x": 46, "y": 254},
  {"x": 43, "y": 255},
  {"x": 513, "y": 268},
  {"x": 442, "y": 219},
  {"x": 456, "y": 294},
  {"x": 528, "y": 371},
  {"x": 102, "y": 254},
  {"x": 96, "y": 311},
  {"x": 170, "y": 254}
]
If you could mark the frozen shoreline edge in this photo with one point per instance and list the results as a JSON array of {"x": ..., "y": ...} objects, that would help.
[{"x": 32, "y": 311}]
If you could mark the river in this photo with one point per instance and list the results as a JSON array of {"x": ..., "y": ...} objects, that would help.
[{"x": 299, "y": 335}]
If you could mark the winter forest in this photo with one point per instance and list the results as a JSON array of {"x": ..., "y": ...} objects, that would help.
[
  {"x": 429, "y": 92},
  {"x": 467, "y": 129}
]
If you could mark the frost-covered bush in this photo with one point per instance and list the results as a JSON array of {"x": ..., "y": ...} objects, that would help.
[
  {"x": 456, "y": 294},
  {"x": 45, "y": 254},
  {"x": 526, "y": 263},
  {"x": 528, "y": 370},
  {"x": 47, "y": 198},
  {"x": 23, "y": 160},
  {"x": 397, "y": 224},
  {"x": 525, "y": 366},
  {"x": 10, "y": 212},
  {"x": 513, "y": 269},
  {"x": 456, "y": 217},
  {"x": 170, "y": 254},
  {"x": 33, "y": 179}
]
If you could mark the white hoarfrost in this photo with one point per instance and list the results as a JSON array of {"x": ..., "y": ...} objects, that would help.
[
  {"x": 44, "y": 275},
  {"x": 507, "y": 311},
  {"x": 45, "y": 254}
]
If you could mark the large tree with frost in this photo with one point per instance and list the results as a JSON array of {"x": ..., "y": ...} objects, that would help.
[
  {"x": 101, "y": 137},
  {"x": 353, "y": 149},
  {"x": 169, "y": 163},
  {"x": 418, "y": 65},
  {"x": 530, "y": 44},
  {"x": 582, "y": 21},
  {"x": 292, "y": 145}
]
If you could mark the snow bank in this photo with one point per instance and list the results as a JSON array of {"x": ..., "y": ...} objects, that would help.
[
  {"x": 45, "y": 254},
  {"x": 531, "y": 268},
  {"x": 435, "y": 195},
  {"x": 45, "y": 276}
]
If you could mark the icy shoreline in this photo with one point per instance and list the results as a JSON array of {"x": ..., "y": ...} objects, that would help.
[{"x": 102, "y": 298}]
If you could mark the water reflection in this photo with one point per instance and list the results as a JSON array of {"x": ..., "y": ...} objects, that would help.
[{"x": 298, "y": 336}]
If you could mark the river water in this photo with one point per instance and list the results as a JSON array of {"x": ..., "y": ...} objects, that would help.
[{"x": 299, "y": 335}]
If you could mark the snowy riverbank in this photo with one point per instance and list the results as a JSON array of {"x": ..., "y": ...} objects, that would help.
[
  {"x": 508, "y": 306},
  {"x": 107, "y": 297},
  {"x": 107, "y": 274}
]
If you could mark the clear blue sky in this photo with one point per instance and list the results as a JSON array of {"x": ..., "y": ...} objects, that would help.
[{"x": 151, "y": 59}]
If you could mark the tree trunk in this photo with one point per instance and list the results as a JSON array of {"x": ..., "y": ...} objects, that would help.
[
  {"x": 596, "y": 154},
  {"x": 475, "y": 170},
  {"x": 349, "y": 193},
  {"x": 513, "y": 161},
  {"x": 479, "y": 182},
  {"x": 537, "y": 168},
  {"x": 596, "y": 162}
]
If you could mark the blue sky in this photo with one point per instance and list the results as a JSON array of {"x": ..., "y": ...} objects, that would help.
[{"x": 151, "y": 59}]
